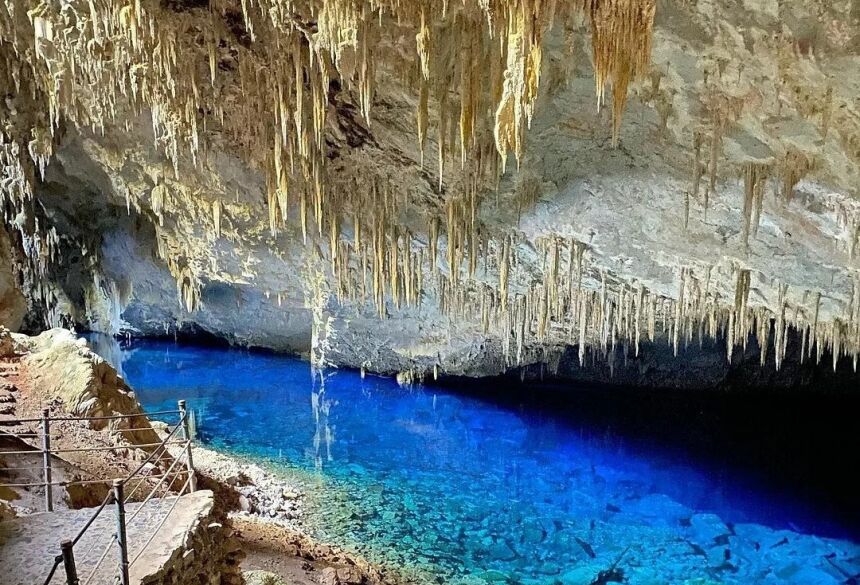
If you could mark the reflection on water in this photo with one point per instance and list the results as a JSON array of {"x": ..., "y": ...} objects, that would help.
[
  {"x": 109, "y": 348},
  {"x": 323, "y": 433},
  {"x": 475, "y": 492}
]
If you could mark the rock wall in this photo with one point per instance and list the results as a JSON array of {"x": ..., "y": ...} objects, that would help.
[
  {"x": 725, "y": 202},
  {"x": 65, "y": 371},
  {"x": 13, "y": 305},
  {"x": 208, "y": 556}
]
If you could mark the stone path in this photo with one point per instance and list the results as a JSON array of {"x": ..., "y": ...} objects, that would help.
[{"x": 29, "y": 544}]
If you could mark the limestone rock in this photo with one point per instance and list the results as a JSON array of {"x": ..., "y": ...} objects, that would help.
[
  {"x": 727, "y": 194},
  {"x": 258, "y": 577},
  {"x": 328, "y": 576},
  {"x": 13, "y": 304},
  {"x": 65, "y": 369}
]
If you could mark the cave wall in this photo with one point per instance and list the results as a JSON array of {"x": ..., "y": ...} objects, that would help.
[
  {"x": 747, "y": 108},
  {"x": 13, "y": 305}
]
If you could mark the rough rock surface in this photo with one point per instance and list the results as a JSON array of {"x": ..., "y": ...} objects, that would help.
[
  {"x": 58, "y": 373},
  {"x": 752, "y": 86},
  {"x": 13, "y": 305},
  {"x": 65, "y": 369},
  {"x": 193, "y": 547}
]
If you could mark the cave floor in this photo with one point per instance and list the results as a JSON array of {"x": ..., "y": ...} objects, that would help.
[{"x": 29, "y": 544}]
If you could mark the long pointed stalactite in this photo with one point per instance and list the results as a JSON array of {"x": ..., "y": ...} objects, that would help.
[{"x": 266, "y": 77}]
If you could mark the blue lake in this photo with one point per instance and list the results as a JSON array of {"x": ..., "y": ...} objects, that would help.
[{"x": 475, "y": 492}]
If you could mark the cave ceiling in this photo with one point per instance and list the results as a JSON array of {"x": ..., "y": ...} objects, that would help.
[{"x": 535, "y": 173}]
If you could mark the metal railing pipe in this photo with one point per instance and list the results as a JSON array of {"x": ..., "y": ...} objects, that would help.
[
  {"x": 186, "y": 434},
  {"x": 68, "y": 549},
  {"x": 46, "y": 450},
  {"x": 121, "y": 537},
  {"x": 117, "y": 494}
]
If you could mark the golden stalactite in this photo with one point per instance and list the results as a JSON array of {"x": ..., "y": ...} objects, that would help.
[
  {"x": 621, "y": 33},
  {"x": 271, "y": 86},
  {"x": 793, "y": 167},
  {"x": 755, "y": 179}
]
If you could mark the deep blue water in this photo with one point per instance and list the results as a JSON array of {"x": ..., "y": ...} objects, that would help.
[{"x": 465, "y": 488}]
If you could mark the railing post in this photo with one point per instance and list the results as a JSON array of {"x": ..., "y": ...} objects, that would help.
[
  {"x": 121, "y": 538},
  {"x": 186, "y": 434},
  {"x": 46, "y": 453},
  {"x": 69, "y": 562}
]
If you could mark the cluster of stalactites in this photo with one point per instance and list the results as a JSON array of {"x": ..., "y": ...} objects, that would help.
[
  {"x": 755, "y": 180},
  {"x": 570, "y": 302},
  {"x": 265, "y": 86},
  {"x": 101, "y": 62},
  {"x": 188, "y": 285},
  {"x": 496, "y": 72},
  {"x": 559, "y": 310}
]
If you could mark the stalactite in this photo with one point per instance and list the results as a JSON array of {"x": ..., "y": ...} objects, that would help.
[
  {"x": 679, "y": 311},
  {"x": 763, "y": 335},
  {"x": 779, "y": 327},
  {"x": 755, "y": 177},
  {"x": 737, "y": 327},
  {"x": 216, "y": 217},
  {"x": 158, "y": 197},
  {"x": 504, "y": 270},
  {"x": 423, "y": 105},
  {"x": 813, "y": 330},
  {"x": 284, "y": 78},
  {"x": 583, "y": 323},
  {"x": 793, "y": 168}
]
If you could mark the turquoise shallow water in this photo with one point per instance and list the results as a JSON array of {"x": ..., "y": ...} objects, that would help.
[{"x": 476, "y": 492}]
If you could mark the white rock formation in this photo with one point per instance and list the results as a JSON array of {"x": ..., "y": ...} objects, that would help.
[{"x": 728, "y": 208}]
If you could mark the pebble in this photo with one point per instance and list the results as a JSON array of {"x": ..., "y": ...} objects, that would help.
[{"x": 244, "y": 504}]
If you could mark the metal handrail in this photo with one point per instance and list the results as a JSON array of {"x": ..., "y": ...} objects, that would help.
[
  {"x": 57, "y": 560},
  {"x": 86, "y": 449},
  {"x": 18, "y": 421},
  {"x": 155, "y": 489},
  {"x": 162, "y": 449},
  {"x": 165, "y": 481},
  {"x": 143, "y": 479}
]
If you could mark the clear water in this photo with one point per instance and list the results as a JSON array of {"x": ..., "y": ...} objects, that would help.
[{"x": 472, "y": 492}]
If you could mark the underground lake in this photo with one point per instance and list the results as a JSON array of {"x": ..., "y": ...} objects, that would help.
[{"x": 463, "y": 487}]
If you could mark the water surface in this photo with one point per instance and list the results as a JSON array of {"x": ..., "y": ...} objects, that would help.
[{"x": 476, "y": 492}]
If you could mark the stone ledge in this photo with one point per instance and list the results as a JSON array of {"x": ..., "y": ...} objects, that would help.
[{"x": 193, "y": 546}]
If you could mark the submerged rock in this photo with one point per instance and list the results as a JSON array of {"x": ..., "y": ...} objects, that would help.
[{"x": 706, "y": 528}]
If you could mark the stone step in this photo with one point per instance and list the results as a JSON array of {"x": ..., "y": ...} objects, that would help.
[{"x": 29, "y": 544}]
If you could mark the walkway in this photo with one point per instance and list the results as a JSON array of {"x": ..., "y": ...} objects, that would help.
[{"x": 29, "y": 544}]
